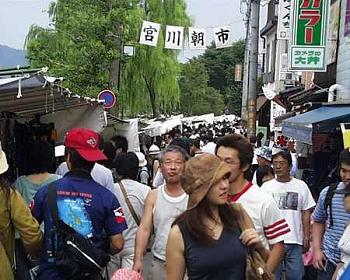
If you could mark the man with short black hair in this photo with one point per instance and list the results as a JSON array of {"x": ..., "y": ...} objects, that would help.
[
  {"x": 330, "y": 221},
  {"x": 86, "y": 206},
  {"x": 295, "y": 202},
  {"x": 237, "y": 152}
]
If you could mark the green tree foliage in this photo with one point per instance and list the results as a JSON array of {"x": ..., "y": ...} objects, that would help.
[
  {"x": 155, "y": 71},
  {"x": 84, "y": 44},
  {"x": 196, "y": 96},
  {"x": 220, "y": 66}
]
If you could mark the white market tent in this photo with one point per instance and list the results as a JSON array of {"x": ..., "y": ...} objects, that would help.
[{"x": 160, "y": 127}]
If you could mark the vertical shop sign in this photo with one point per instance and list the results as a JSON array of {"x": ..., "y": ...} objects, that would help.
[
  {"x": 308, "y": 50},
  {"x": 347, "y": 20},
  {"x": 283, "y": 25},
  {"x": 332, "y": 31}
]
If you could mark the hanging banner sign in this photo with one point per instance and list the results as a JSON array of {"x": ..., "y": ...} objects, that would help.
[
  {"x": 283, "y": 24},
  {"x": 222, "y": 37},
  {"x": 197, "y": 38},
  {"x": 149, "y": 33},
  {"x": 308, "y": 52},
  {"x": 174, "y": 37}
]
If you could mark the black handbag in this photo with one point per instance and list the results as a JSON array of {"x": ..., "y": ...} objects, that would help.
[{"x": 24, "y": 267}]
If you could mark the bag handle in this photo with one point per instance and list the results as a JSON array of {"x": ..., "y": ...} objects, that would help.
[{"x": 131, "y": 209}]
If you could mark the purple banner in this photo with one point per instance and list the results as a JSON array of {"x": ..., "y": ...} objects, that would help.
[{"x": 347, "y": 20}]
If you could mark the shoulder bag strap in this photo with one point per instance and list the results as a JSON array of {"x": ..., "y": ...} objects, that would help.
[
  {"x": 52, "y": 201},
  {"x": 131, "y": 209}
]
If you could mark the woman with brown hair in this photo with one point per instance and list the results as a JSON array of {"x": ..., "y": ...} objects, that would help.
[{"x": 206, "y": 240}]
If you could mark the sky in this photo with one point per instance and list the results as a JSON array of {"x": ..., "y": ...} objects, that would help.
[{"x": 16, "y": 17}]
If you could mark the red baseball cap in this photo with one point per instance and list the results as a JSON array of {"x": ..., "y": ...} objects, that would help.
[{"x": 86, "y": 142}]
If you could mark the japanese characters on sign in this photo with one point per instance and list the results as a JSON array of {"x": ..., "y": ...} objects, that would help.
[
  {"x": 149, "y": 33},
  {"x": 308, "y": 58},
  {"x": 222, "y": 36},
  {"x": 174, "y": 37},
  {"x": 308, "y": 50},
  {"x": 197, "y": 38},
  {"x": 283, "y": 25}
]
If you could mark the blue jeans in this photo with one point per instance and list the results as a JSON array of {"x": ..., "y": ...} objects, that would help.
[
  {"x": 327, "y": 273},
  {"x": 292, "y": 263}
]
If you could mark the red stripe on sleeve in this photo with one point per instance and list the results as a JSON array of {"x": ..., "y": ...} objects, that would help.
[
  {"x": 275, "y": 224},
  {"x": 278, "y": 234},
  {"x": 274, "y": 230}
]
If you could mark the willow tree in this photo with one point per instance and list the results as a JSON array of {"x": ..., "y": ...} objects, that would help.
[
  {"x": 84, "y": 45},
  {"x": 155, "y": 71}
]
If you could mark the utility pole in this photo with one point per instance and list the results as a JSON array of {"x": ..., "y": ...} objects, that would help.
[
  {"x": 246, "y": 66},
  {"x": 253, "y": 65},
  {"x": 114, "y": 76}
]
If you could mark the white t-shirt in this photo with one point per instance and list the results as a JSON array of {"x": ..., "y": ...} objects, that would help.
[
  {"x": 292, "y": 198},
  {"x": 137, "y": 194},
  {"x": 99, "y": 173},
  {"x": 262, "y": 209}
]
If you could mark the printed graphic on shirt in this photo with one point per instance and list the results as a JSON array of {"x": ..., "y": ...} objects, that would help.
[
  {"x": 119, "y": 215},
  {"x": 287, "y": 200},
  {"x": 73, "y": 212}
]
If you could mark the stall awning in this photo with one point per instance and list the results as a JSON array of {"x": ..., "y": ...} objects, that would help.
[{"x": 300, "y": 127}]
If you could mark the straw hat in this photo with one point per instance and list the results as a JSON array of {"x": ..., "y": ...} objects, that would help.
[{"x": 201, "y": 173}]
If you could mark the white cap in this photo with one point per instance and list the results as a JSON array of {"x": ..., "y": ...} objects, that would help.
[
  {"x": 142, "y": 159},
  {"x": 3, "y": 161},
  {"x": 154, "y": 150}
]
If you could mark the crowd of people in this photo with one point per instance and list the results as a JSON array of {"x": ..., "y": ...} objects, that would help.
[{"x": 204, "y": 203}]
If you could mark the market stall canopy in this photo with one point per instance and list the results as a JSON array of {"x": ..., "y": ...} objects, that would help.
[
  {"x": 324, "y": 119},
  {"x": 31, "y": 94}
]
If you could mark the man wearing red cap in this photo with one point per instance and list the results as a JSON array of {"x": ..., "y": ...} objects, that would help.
[{"x": 86, "y": 206}]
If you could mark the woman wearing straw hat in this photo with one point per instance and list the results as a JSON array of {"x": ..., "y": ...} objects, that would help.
[
  {"x": 206, "y": 240},
  {"x": 14, "y": 215}
]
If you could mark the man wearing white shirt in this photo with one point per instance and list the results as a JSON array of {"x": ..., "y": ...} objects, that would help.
[
  {"x": 237, "y": 152},
  {"x": 295, "y": 201}
]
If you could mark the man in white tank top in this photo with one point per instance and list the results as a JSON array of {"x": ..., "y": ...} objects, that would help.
[{"x": 162, "y": 206}]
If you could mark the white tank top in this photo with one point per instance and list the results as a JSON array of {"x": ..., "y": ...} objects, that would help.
[{"x": 165, "y": 211}]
